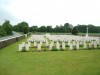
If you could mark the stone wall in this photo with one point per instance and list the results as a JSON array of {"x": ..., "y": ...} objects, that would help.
[{"x": 10, "y": 41}]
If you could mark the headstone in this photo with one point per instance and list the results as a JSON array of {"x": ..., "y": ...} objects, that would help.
[
  {"x": 63, "y": 45},
  {"x": 27, "y": 47},
  {"x": 74, "y": 44},
  {"x": 29, "y": 43},
  {"x": 41, "y": 43},
  {"x": 20, "y": 47},
  {"x": 95, "y": 44},
  {"x": 52, "y": 43},
  {"x": 81, "y": 43},
  {"x": 35, "y": 44},
  {"x": 39, "y": 47},
  {"x": 47, "y": 43},
  {"x": 57, "y": 45},
  {"x": 23, "y": 44},
  {"x": 71, "y": 46},
  {"x": 25, "y": 35},
  {"x": 85, "y": 45},
  {"x": 50, "y": 47},
  {"x": 77, "y": 45},
  {"x": 90, "y": 45}
]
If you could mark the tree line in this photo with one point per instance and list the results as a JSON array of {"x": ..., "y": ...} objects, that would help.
[{"x": 6, "y": 28}]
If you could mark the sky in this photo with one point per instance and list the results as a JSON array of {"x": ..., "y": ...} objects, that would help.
[{"x": 50, "y": 12}]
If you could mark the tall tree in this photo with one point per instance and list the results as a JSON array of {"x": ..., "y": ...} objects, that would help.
[
  {"x": 49, "y": 28},
  {"x": 33, "y": 28},
  {"x": 68, "y": 27},
  {"x": 7, "y": 27},
  {"x": 74, "y": 31},
  {"x": 42, "y": 29},
  {"x": 2, "y": 31}
]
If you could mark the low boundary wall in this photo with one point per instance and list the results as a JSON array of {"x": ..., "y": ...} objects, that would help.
[{"x": 9, "y": 41}]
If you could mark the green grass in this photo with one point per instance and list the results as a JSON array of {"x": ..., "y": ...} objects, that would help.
[{"x": 70, "y": 62}]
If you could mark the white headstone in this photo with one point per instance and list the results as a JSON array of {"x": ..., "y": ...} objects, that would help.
[
  {"x": 74, "y": 43},
  {"x": 27, "y": 47},
  {"x": 35, "y": 44},
  {"x": 71, "y": 46},
  {"x": 41, "y": 43},
  {"x": 23, "y": 44},
  {"x": 90, "y": 45},
  {"x": 39, "y": 47},
  {"x": 20, "y": 47},
  {"x": 29, "y": 43},
  {"x": 85, "y": 45},
  {"x": 47, "y": 43},
  {"x": 50, "y": 47},
  {"x": 25, "y": 35},
  {"x": 95, "y": 44},
  {"x": 63, "y": 45},
  {"x": 52, "y": 43},
  {"x": 57, "y": 45},
  {"x": 77, "y": 45}
]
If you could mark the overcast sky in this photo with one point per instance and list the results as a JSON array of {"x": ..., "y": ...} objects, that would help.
[{"x": 50, "y": 12}]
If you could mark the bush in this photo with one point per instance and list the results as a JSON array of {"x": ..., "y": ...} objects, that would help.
[
  {"x": 23, "y": 50},
  {"x": 54, "y": 49}
]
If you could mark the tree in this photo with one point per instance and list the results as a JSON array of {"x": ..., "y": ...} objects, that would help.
[
  {"x": 7, "y": 27},
  {"x": 81, "y": 28},
  {"x": 22, "y": 27},
  {"x": 49, "y": 28},
  {"x": 42, "y": 29},
  {"x": 33, "y": 28},
  {"x": 91, "y": 28},
  {"x": 74, "y": 31},
  {"x": 68, "y": 27},
  {"x": 2, "y": 31}
]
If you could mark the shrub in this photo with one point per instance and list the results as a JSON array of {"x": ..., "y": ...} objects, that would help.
[
  {"x": 54, "y": 49},
  {"x": 23, "y": 50}
]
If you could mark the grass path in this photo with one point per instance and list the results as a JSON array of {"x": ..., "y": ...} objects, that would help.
[{"x": 80, "y": 62}]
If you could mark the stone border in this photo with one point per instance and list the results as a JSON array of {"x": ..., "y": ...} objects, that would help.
[{"x": 7, "y": 42}]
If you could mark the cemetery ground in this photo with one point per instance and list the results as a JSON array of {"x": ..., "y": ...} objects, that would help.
[{"x": 68, "y": 62}]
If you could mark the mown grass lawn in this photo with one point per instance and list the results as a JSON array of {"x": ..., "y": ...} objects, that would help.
[{"x": 70, "y": 62}]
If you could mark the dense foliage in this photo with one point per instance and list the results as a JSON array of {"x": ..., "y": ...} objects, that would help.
[
  {"x": 21, "y": 27},
  {"x": 6, "y": 28},
  {"x": 74, "y": 31}
]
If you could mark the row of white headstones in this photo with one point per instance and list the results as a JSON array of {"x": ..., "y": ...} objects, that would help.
[{"x": 72, "y": 41}]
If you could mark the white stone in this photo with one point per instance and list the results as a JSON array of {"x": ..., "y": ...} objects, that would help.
[
  {"x": 47, "y": 44},
  {"x": 95, "y": 44},
  {"x": 81, "y": 43},
  {"x": 77, "y": 45},
  {"x": 29, "y": 43},
  {"x": 25, "y": 35},
  {"x": 20, "y": 47},
  {"x": 23, "y": 44},
  {"x": 35, "y": 44},
  {"x": 52, "y": 43},
  {"x": 63, "y": 45},
  {"x": 50, "y": 47},
  {"x": 27, "y": 47},
  {"x": 39, "y": 47},
  {"x": 71, "y": 46},
  {"x": 57, "y": 45},
  {"x": 41, "y": 43},
  {"x": 74, "y": 43},
  {"x": 90, "y": 45},
  {"x": 85, "y": 45}
]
